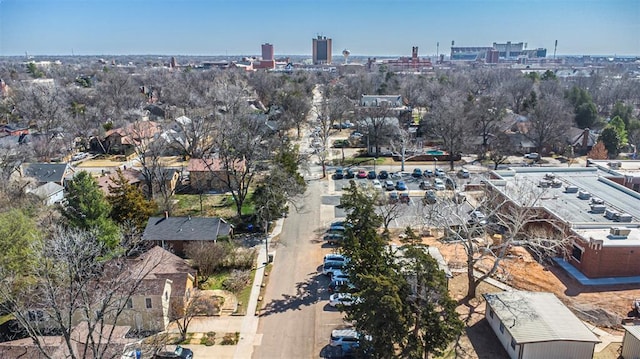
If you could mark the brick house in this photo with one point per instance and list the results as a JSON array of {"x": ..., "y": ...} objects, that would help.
[
  {"x": 210, "y": 174},
  {"x": 174, "y": 233}
]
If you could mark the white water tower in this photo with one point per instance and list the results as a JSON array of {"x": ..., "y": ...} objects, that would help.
[{"x": 346, "y": 54}]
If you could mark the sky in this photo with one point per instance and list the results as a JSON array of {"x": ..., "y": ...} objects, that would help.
[{"x": 365, "y": 27}]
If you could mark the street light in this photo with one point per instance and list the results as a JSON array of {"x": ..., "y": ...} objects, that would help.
[{"x": 375, "y": 159}]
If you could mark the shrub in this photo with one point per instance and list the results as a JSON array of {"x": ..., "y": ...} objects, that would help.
[
  {"x": 208, "y": 339},
  {"x": 238, "y": 279},
  {"x": 230, "y": 339}
]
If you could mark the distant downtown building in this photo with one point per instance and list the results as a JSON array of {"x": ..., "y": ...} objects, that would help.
[
  {"x": 499, "y": 51},
  {"x": 267, "y": 61},
  {"x": 321, "y": 50},
  {"x": 267, "y": 51}
]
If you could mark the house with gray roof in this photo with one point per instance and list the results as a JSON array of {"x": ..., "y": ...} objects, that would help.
[
  {"x": 174, "y": 233},
  {"x": 49, "y": 193},
  {"x": 538, "y": 325},
  {"x": 48, "y": 172}
]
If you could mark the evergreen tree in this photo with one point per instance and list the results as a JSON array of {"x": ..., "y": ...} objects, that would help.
[
  {"x": 18, "y": 232},
  {"x": 128, "y": 203},
  {"x": 87, "y": 209},
  {"x": 624, "y": 112},
  {"x": 611, "y": 140}
]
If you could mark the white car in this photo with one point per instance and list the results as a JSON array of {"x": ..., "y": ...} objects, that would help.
[
  {"x": 438, "y": 184},
  {"x": 377, "y": 184},
  {"x": 345, "y": 299}
]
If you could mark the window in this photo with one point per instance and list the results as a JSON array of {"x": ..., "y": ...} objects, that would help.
[
  {"x": 501, "y": 328},
  {"x": 513, "y": 344},
  {"x": 490, "y": 312},
  {"x": 576, "y": 253},
  {"x": 129, "y": 304},
  {"x": 166, "y": 295},
  {"x": 148, "y": 303}
]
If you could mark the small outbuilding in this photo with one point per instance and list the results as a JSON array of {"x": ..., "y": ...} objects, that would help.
[
  {"x": 538, "y": 325},
  {"x": 631, "y": 342}
]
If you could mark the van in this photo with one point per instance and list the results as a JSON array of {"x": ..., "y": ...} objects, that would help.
[
  {"x": 389, "y": 185},
  {"x": 343, "y": 336}
]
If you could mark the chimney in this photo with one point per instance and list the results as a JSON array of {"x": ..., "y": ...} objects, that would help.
[
  {"x": 166, "y": 214},
  {"x": 585, "y": 138}
]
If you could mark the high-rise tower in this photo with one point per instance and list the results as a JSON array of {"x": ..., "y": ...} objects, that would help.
[{"x": 321, "y": 50}]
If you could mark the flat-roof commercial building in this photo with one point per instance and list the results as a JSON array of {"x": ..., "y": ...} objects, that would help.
[
  {"x": 537, "y": 325},
  {"x": 599, "y": 217}
]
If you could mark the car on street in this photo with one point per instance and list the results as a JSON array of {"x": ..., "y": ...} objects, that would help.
[
  {"x": 372, "y": 175},
  {"x": 362, "y": 174},
  {"x": 344, "y": 299},
  {"x": 383, "y": 175},
  {"x": 79, "y": 156},
  {"x": 463, "y": 173},
  {"x": 338, "y": 174},
  {"x": 401, "y": 186},
  {"x": 417, "y": 173},
  {"x": 376, "y": 184},
  {"x": 438, "y": 184}
]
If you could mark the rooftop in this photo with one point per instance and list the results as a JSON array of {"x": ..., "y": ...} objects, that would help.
[
  {"x": 185, "y": 229},
  {"x": 522, "y": 185},
  {"x": 532, "y": 317}
]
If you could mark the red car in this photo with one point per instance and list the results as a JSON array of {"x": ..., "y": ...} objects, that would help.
[{"x": 362, "y": 174}]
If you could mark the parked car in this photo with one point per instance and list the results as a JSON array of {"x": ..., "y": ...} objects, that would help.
[
  {"x": 372, "y": 175},
  {"x": 417, "y": 173},
  {"x": 349, "y": 174},
  {"x": 404, "y": 198},
  {"x": 345, "y": 336},
  {"x": 389, "y": 186},
  {"x": 333, "y": 238},
  {"x": 383, "y": 175},
  {"x": 336, "y": 229},
  {"x": 425, "y": 185},
  {"x": 362, "y": 174},
  {"x": 344, "y": 299},
  {"x": 430, "y": 197},
  {"x": 338, "y": 174},
  {"x": 439, "y": 172},
  {"x": 463, "y": 173},
  {"x": 376, "y": 184},
  {"x": 340, "y": 285},
  {"x": 532, "y": 156},
  {"x": 438, "y": 184},
  {"x": 393, "y": 197},
  {"x": 179, "y": 353},
  {"x": 401, "y": 186},
  {"x": 331, "y": 266},
  {"x": 427, "y": 173},
  {"x": 477, "y": 217},
  {"x": 334, "y": 257}
]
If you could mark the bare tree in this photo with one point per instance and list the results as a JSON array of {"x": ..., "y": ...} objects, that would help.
[
  {"x": 380, "y": 122},
  {"x": 71, "y": 282},
  {"x": 330, "y": 108},
  {"x": 549, "y": 121},
  {"x": 198, "y": 305},
  {"x": 517, "y": 88},
  {"x": 516, "y": 215}
]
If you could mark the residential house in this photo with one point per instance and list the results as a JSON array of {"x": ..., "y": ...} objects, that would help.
[
  {"x": 125, "y": 140},
  {"x": 13, "y": 130},
  {"x": 631, "y": 342},
  {"x": 210, "y": 174},
  {"x": 174, "y": 233},
  {"x": 49, "y": 193},
  {"x": 537, "y": 325},
  {"x": 48, "y": 172},
  {"x": 581, "y": 140},
  {"x": 111, "y": 342},
  {"x": 133, "y": 176},
  {"x": 392, "y": 101}
]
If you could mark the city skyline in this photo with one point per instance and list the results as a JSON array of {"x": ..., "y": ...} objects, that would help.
[{"x": 373, "y": 27}]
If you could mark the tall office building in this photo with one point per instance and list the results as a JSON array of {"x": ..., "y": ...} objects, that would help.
[
  {"x": 321, "y": 50},
  {"x": 267, "y": 52}
]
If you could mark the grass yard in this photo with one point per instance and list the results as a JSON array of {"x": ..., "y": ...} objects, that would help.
[
  {"x": 215, "y": 282},
  {"x": 210, "y": 205}
]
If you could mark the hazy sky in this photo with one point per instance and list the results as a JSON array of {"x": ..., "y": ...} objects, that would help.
[{"x": 365, "y": 27}]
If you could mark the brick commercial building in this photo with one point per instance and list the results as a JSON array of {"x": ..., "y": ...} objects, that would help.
[{"x": 599, "y": 218}]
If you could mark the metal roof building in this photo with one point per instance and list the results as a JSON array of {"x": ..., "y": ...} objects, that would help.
[
  {"x": 537, "y": 325},
  {"x": 631, "y": 341}
]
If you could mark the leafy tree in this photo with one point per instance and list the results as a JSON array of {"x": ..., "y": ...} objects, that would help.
[
  {"x": 586, "y": 113},
  {"x": 623, "y": 111},
  {"x": 86, "y": 208},
  {"x": 34, "y": 71},
  {"x": 618, "y": 124},
  {"x": 128, "y": 203},
  {"x": 599, "y": 151},
  {"x": 534, "y": 76},
  {"x": 611, "y": 140},
  {"x": 18, "y": 233}
]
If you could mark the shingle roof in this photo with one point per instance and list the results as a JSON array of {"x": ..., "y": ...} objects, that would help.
[
  {"x": 185, "y": 229},
  {"x": 46, "y": 172},
  {"x": 532, "y": 317},
  {"x": 46, "y": 190}
]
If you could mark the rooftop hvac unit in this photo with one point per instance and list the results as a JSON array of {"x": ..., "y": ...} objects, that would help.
[
  {"x": 556, "y": 183},
  {"x": 596, "y": 200},
  {"x": 584, "y": 195},
  {"x": 624, "y": 217},
  {"x": 598, "y": 208},
  {"x": 615, "y": 164},
  {"x": 549, "y": 176},
  {"x": 544, "y": 184},
  {"x": 611, "y": 214},
  {"x": 617, "y": 231},
  {"x": 571, "y": 189}
]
